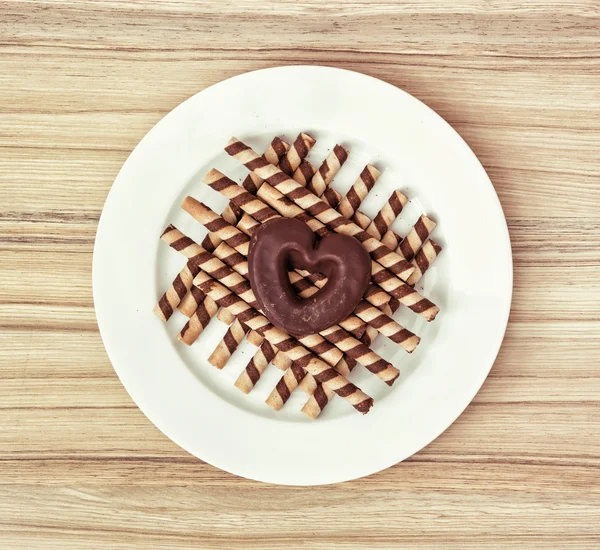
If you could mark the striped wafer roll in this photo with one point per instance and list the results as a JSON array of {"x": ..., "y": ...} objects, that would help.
[
  {"x": 380, "y": 226},
  {"x": 347, "y": 363},
  {"x": 317, "y": 401},
  {"x": 369, "y": 336},
  {"x": 227, "y": 346},
  {"x": 362, "y": 220},
  {"x": 319, "y": 209},
  {"x": 198, "y": 321},
  {"x": 366, "y": 357},
  {"x": 255, "y": 367},
  {"x": 304, "y": 173},
  {"x": 276, "y": 150},
  {"x": 176, "y": 292},
  {"x": 381, "y": 276},
  {"x": 403, "y": 292},
  {"x": 206, "y": 261},
  {"x": 239, "y": 196},
  {"x": 326, "y": 172},
  {"x": 416, "y": 236},
  {"x": 286, "y": 385},
  {"x": 282, "y": 361},
  {"x": 357, "y": 193},
  {"x": 191, "y": 301},
  {"x": 231, "y": 213},
  {"x": 216, "y": 224},
  {"x": 210, "y": 242},
  {"x": 225, "y": 317},
  {"x": 298, "y": 151},
  {"x": 387, "y": 326},
  {"x": 424, "y": 258},
  {"x": 254, "y": 338},
  {"x": 282, "y": 341}
]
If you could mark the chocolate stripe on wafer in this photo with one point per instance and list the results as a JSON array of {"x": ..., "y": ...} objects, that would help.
[
  {"x": 176, "y": 292},
  {"x": 416, "y": 236},
  {"x": 276, "y": 150},
  {"x": 198, "y": 321},
  {"x": 359, "y": 190},
  {"x": 227, "y": 346},
  {"x": 424, "y": 258},
  {"x": 298, "y": 151},
  {"x": 286, "y": 385},
  {"x": 281, "y": 340},
  {"x": 387, "y": 326},
  {"x": 304, "y": 173},
  {"x": 326, "y": 172},
  {"x": 239, "y": 196},
  {"x": 380, "y": 226},
  {"x": 255, "y": 367}
]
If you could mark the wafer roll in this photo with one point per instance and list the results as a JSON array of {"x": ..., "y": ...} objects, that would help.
[
  {"x": 254, "y": 338},
  {"x": 326, "y": 172},
  {"x": 424, "y": 258},
  {"x": 198, "y": 322},
  {"x": 359, "y": 190},
  {"x": 255, "y": 367},
  {"x": 381, "y": 276},
  {"x": 191, "y": 301},
  {"x": 298, "y": 151},
  {"x": 362, "y": 220},
  {"x": 366, "y": 357},
  {"x": 318, "y": 208},
  {"x": 211, "y": 241},
  {"x": 231, "y": 213},
  {"x": 286, "y": 385},
  {"x": 239, "y": 196},
  {"x": 281, "y": 340},
  {"x": 416, "y": 237},
  {"x": 404, "y": 293},
  {"x": 176, "y": 292},
  {"x": 248, "y": 225},
  {"x": 217, "y": 225},
  {"x": 206, "y": 261},
  {"x": 276, "y": 150},
  {"x": 317, "y": 401},
  {"x": 380, "y": 226},
  {"x": 225, "y": 317},
  {"x": 387, "y": 326},
  {"x": 282, "y": 361},
  {"x": 304, "y": 173},
  {"x": 227, "y": 346}
]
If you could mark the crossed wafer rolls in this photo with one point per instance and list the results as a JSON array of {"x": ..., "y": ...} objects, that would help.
[
  {"x": 276, "y": 150},
  {"x": 380, "y": 275},
  {"x": 423, "y": 259},
  {"x": 282, "y": 205},
  {"x": 322, "y": 372},
  {"x": 329, "y": 344},
  {"x": 358, "y": 192},
  {"x": 197, "y": 307},
  {"x": 297, "y": 152},
  {"x": 366, "y": 312},
  {"x": 379, "y": 227},
  {"x": 314, "y": 206},
  {"x": 180, "y": 286},
  {"x": 417, "y": 236},
  {"x": 319, "y": 184}
]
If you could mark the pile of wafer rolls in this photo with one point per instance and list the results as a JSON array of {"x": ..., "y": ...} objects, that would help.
[{"x": 214, "y": 280}]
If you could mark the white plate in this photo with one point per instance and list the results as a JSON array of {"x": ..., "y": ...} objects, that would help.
[{"x": 196, "y": 405}]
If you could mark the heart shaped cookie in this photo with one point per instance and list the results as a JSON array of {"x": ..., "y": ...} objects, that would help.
[{"x": 283, "y": 244}]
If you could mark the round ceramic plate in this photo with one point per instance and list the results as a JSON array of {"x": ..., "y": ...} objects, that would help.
[{"x": 196, "y": 405}]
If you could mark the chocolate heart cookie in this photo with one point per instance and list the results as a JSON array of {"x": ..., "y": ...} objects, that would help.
[{"x": 283, "y": 244}]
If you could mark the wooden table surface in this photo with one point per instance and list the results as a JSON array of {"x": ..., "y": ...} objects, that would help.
[{"x": 82, "y": 82}]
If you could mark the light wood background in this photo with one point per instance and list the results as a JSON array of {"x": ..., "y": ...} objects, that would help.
[{"x": 82, "y": 82}]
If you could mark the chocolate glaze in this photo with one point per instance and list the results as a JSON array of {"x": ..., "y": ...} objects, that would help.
[{"x": 283, "y": 244}]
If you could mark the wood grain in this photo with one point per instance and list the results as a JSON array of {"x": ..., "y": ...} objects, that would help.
[{"x": 82, "y": 82}]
